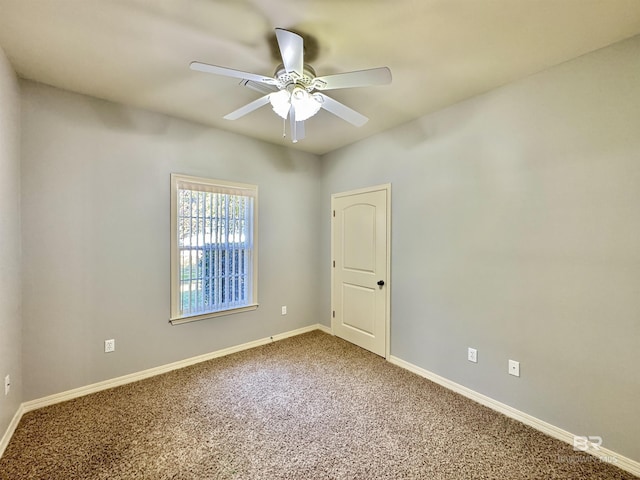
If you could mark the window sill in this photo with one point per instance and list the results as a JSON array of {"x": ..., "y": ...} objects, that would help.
[{"x": 205, "y": 316}]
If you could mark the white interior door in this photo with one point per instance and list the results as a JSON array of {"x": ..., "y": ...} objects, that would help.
[{"x": 360, "y": 283}]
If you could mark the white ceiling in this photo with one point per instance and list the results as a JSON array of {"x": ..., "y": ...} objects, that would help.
[{"x": 137, "y": 52}]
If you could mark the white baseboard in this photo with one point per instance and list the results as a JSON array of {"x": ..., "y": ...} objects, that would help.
[
  {"x": 618, "y": 460},
  {"x": 152, "y": 372},
  {"x": 325, "y": 329},
  {"x": 134, "y": 377},
  {"x": 4, "y": 441}
]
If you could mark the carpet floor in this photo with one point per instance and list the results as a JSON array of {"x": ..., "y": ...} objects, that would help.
[{"x": 310, "y": 407}]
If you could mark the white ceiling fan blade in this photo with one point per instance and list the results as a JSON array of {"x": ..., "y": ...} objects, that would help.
[
  {"x": 248, "y": 108},
  {"x": 292, "y": 50},
  {"x": 342, "y": 111},
  {"x": 360, "y": 78},
  {"x": 230, "y": 72}
]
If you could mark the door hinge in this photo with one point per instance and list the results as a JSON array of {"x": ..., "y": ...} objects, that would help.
[
  {"x": 334, "y": 213},
  {"x": 334, "y": 264},
  {"x": 334, "y": 314}
]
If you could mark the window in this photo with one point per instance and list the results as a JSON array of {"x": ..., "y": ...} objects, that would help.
[{"x": 213, "y": 248}]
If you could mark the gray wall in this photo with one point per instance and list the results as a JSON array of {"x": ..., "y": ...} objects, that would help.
[
  {"x": 10, "y": 316},
  {"x": 95, "y": 229},
  {"x": 516, "y": 230}
]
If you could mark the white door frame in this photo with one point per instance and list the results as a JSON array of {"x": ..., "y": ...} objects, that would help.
[{"x": 387, "y": 290}]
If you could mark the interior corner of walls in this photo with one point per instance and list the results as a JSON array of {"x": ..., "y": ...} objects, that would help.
[
  {"x": 11, "y": 325},
  {"x": 324, "y": 328}
]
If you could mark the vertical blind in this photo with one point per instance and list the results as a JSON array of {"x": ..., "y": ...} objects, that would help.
[{"x": 215, "y": 247}]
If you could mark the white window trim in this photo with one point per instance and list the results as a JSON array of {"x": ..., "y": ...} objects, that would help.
[{"x": 176, "y": 318}]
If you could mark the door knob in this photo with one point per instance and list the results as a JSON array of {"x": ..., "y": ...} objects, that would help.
[{"x": 380, "y": 282}]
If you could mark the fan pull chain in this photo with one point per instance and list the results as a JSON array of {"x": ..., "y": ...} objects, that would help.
[{"x": 284, "y": 128}]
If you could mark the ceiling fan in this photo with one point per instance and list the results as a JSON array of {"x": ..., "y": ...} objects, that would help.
[{"x": 294, "y": 91}]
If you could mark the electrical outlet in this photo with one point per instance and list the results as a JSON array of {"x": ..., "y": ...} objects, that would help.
[
  {"x": 7, "y": 384},
  {"x": 284, "y": 310},
  {"x": 514, "y": 368},
  {"x": 109, "y": 346},
  {"x": 472, "y": 355}
]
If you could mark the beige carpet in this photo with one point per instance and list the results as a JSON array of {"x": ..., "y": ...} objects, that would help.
[{"x": 306, "y": 408}]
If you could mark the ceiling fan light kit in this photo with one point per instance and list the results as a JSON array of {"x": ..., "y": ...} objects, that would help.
[
  {"x": 294, "y": 91},
  {"x": 304, "y": 104},
  {"x": 280, "y": 103}
]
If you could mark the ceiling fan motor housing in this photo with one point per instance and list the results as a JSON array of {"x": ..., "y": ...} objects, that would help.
[{"x": 306, "y": 81}]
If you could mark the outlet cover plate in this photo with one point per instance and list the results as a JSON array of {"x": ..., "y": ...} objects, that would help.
[
  {"x": 7, "y": 384},
  {"x": 472, "y": 355},
  {"x": 514, "y": 368},
  {"x": 284, "y": 310},
  {"x": 109, "y": 346}
]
